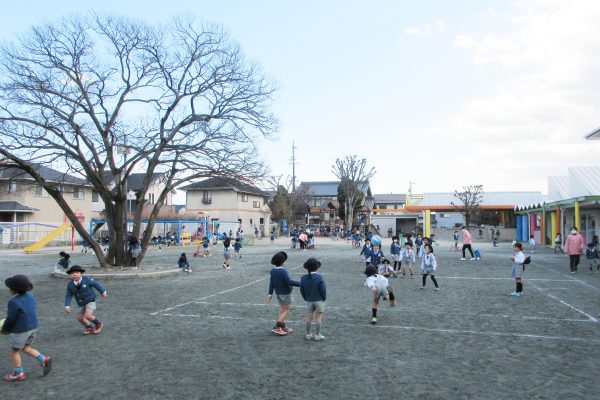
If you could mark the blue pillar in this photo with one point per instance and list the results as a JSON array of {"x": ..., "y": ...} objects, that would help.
[
  {"x": 519, "y": 223},
  {"x": 524, "y": 227}
]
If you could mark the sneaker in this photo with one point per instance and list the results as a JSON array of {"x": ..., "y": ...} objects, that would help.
[
  {"x": 472, "y": 259},
  {"x": 288, "y": 330},
  {"x": 422, "y": 287},
  {"x": 224, "y": 266},
  {"x": 437, "y": 289},
  {"x": 46, "y": 365},
  {"x": 572, "y": 272},
  {"x": 515, "y": 294},
  {"x": 319, "y": 337},
  {"x": 412, "y": 276},
  {"x": 374, "y": 320},
  {"x": 14, "y": 377},
  {"x": 88, "y": 331},
  {"x": 308, "y": 336},
  {"x": 279, "y": 331},
  {"x": 463, "y": 259},
  {"x": 98, "y": 328}
]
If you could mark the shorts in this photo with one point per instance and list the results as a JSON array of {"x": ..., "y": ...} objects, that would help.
[
  {"x": 382, "y": 293},
  {"x": 20, "y": 340},
  {"x": 285, "y": 299},
  {"x": 315, "y": 306},
  {"x": 91, "y": 306},
  {"x": 227, "y": 255}
]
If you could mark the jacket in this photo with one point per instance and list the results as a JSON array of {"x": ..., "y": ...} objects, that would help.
[
  {"x": 281, "y": 282},
  {"x": 312, "y": 287},
  {"x": 574, "y": 244},
  {"x": 21, "y": 316},
  {"x": 83, "y": 292}
]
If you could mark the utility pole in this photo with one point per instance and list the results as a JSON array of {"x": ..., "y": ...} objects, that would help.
[{"x": 293, "y": 167}]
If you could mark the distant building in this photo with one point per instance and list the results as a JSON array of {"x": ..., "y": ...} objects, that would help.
[{"x": 230, "y": 204}]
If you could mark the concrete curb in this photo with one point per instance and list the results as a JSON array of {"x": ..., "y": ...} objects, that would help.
[{"x": 122, "y": 275}]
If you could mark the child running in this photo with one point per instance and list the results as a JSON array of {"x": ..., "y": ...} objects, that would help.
[
  {"x": 518, "y": 259},
  {"x": 227, "y": 247},
  {"x": 379, "y": 288},
  {"x": 183, "y": 263},
  {"x": 429, "y": 266},
  {"x": 63, "y": 263},
  {"x": 282, "y": 285},
  {"x": 81, "y": 287},
  {"x": 21, "y": 323},
  {"x": 237, "y": 247},
  {"x": 314, "y": 292},
  {"x": 205, "y": 250},
  {"x": 408, "y": 259}
]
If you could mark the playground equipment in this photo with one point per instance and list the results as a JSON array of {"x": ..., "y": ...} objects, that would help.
[{"x": 48, "y": 238}]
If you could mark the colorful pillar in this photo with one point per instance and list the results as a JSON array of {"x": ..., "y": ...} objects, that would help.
[
  {"x": 553, "y": 224},
  {"x": 543, "y": 227},
  {"x": 558, "y": 222},
  {"x": 519, "y": 223},
  {"x": 427, "y": 223},
  {"x": 577, "y": 216},
  {"x": 524, "y": 227},
  {"x": 532, "y": 218}
]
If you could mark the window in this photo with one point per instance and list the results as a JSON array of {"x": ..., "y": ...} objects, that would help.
[
  {"x": 245, "y": 198},
  {"x": 12, "y": 187},
  {"x": 206, "y": 197},
  {"x": 151, "y": 198},
  {"x": 78, "y": 193},
  {"x": 40, "y": 191},
  {"x": 95, "y": 196},
  {"x": 256, "y": 204}
]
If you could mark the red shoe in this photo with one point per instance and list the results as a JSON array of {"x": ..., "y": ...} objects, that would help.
[
  {"x": 14, "y": 377},
  {"x": 288, "y": 330},
  {"x": 279, "y": 331},
  {"x": 46, "y": 365},
  {"x": 98, "y": 328},
  {"x": 88, "y": 331}
]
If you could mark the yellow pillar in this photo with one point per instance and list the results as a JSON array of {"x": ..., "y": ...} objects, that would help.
[
  {"x": 427, "y": 223},
  {"x": 577, "y": 217},
  {"x": 554, "y": 224}
]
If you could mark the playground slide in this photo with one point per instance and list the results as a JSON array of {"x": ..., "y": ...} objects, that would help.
[{"x": 47, "y": 239}]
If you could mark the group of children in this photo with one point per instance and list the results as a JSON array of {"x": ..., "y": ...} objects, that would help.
[{"x": 21, "y": 319}]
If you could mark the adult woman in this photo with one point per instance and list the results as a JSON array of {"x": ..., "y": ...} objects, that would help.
[{"x": 574, "y": 248}]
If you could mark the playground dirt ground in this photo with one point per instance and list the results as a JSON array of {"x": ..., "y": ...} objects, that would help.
[{"x": 206, "y": 335}]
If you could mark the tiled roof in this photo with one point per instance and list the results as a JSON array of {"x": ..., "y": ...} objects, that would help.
[
  {"x": 224, "y": 184},
  {"x": 329, "y": 188},
  {"x": 14, "y": 206},
  {"x": 135, "y": 180},
  {"x": 10, "y": 172}
]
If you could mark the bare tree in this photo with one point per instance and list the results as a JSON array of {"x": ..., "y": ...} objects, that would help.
[
  {"x": 288, "y": 203},
  {"x": 178, "y": 99},
  {"x": 351, "y": 171},
  {"x": 471, "y": 198}
]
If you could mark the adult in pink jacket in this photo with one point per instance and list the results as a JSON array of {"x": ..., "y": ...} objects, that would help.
[
  {"x": 467, "y": 241},
  {"x": 574, "y": 244}
]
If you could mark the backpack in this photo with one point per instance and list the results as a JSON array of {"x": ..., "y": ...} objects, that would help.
[{"x": 527, "y": 261}]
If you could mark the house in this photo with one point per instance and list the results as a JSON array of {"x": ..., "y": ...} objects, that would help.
[
  {"x": 134, "y": 186},
  {"x": 22, "y": 200},
  {"x": 323, "y": 204},
  {"x": 230, "y": 204},
  {"x": 28, "y": 213},
  {"x": 390, "y": 216}
]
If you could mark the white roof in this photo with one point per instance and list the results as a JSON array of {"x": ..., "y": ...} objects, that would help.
[
  {"x": 487, "y": 199},
  {"x": 584, "y": 181},
  {"x": 558, "y": 188}
]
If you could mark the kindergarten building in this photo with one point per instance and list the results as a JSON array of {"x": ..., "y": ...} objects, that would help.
[{"x": 573, "y": 200}]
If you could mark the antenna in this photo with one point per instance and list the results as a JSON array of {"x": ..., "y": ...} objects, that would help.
[{"x": 293, "y": 167}]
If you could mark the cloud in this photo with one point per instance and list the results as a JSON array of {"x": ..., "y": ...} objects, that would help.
[
  {"x": 436, "y": 27},
  {"x": 532, "y": 122}
]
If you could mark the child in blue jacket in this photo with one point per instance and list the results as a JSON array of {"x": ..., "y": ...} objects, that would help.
[
  {"x": 314, "y": 292},
  {"x": 282, "y": 285},
  {"x": 591, "y": 254},
  {"x": 82, "y": 288},
  {"x": 21, "y": 322}
]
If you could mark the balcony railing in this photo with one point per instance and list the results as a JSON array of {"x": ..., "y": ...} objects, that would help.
[{"x": 206, "y": 201}]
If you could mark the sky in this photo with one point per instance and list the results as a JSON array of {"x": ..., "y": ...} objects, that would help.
[{"x": 443, "y": 94}]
